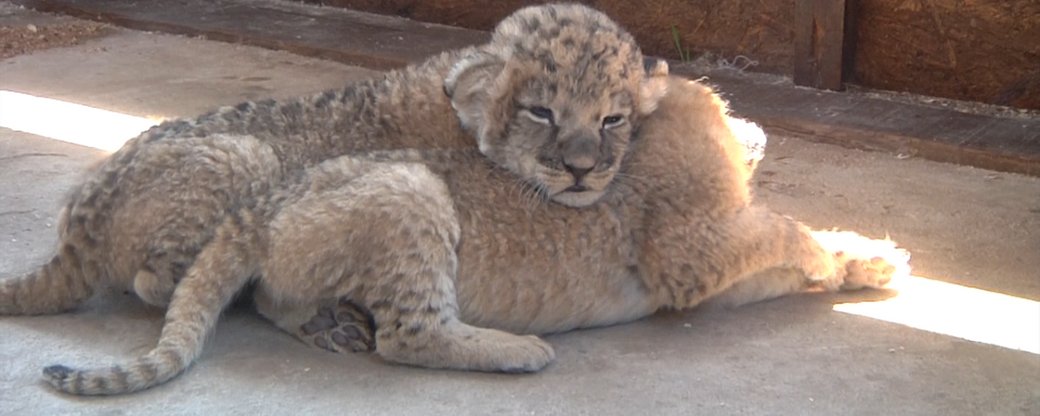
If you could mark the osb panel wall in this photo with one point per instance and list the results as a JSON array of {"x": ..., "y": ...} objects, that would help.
[
  {"x": 758, "y": 29},
  {"x": 982, "y": 50}
]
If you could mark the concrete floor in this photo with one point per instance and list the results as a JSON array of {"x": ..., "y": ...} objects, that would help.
[{"x": 790, "y": 356}]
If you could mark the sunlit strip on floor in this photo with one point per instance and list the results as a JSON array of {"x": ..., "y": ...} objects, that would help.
[
  {"x": 68, "y": 122},
  {"x": 959, "y": 311}
]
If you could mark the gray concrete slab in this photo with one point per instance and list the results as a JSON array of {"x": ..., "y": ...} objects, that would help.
[{"x": 791, "y": 356}]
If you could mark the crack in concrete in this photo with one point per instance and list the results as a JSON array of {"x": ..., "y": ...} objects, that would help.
[{"x": 34, "y": 154}]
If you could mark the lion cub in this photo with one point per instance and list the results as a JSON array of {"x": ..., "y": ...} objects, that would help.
[
  {"x": 564, "y": 74},
  {"x": 569, "y": 203},
  {"x": 139, "y": 220},
  {"x": 449, "y": 249}
]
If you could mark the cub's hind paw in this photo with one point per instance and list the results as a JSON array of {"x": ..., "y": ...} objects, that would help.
[
  {"x": 344, "y": 327},
  {"x": 862, "y": 273},
  {"x": 867, "y": 263}
]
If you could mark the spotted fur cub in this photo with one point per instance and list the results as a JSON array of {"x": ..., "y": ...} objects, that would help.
[
  {"x": 142, "y": 219},
  {"x": 543, "y": 182}
]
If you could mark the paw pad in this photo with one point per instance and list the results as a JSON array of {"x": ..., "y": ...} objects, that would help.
[{"x": 341, "y": 328}]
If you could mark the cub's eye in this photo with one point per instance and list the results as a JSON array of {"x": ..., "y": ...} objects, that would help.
[
  {"x": 613, "y": 121},
  {"x": 541, "y": 114}
]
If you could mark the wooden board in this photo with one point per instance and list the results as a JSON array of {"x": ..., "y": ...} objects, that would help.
[
  {"x": 371, "y": 40},
  {"x": 819, "y": 35},
  {"x": 1005, "y": 144},
  {"x": 980, "y": 50},
  {"x": 756, "y": 29}
]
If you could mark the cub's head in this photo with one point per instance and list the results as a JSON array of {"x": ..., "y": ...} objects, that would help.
[{"x": 555, "y": 97}]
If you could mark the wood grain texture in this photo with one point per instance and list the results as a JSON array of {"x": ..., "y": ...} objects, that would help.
[
  {"x": 819, "y": 36},
  {"x": 980, "y": 50}
]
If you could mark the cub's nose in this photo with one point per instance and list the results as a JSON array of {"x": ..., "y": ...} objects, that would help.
[
  {"x": 579, "y": 167},
  {"x": 579, "y": 157}
]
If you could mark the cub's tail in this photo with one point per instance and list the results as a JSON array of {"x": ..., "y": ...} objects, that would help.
[
  {"x": 223, "y": 267},
  {"x": 60, "y": 285}
]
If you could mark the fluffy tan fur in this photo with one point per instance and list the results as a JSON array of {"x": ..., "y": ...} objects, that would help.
[
  {"x": 141, "y": 218},
  {"x": 447, "y": 255},
  {"x": 561, "y": 220}
]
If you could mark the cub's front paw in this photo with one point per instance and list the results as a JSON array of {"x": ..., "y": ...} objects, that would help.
[
  {"x": 526, "y": 354},
  {"x": 865, "y": 262}
]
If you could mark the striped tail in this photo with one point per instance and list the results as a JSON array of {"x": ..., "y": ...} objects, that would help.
[
  {"x": 60, "y": 285},
  {"x": 71, "y": 276},
  {"x": 221, "y": 270}
]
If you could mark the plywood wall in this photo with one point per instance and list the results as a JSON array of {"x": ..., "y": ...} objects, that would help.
[{"x": 981, "y": 50}]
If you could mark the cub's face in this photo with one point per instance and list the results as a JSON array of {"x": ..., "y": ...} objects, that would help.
[
  {"x": 555, "y": 98},
  {"x": 567, "y": 146}
]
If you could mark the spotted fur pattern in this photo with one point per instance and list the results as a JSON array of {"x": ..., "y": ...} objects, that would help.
[
  {"x": 130, "y": 225},
  {"x": 143, "y": 216},
  {"x": 558, "y": 220}
]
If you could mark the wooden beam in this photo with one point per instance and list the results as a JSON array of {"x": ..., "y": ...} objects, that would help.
[
  {"x": 374, "y": 41},
  {"x": 851, "y": 40},
  {"x": 819, "y": 33}
]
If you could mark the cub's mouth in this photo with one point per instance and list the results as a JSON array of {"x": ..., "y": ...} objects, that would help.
[
  {"x": 576, "y": 195},
  {"x": 578, "y": 187},
  {"x": 573, "y": 190}
]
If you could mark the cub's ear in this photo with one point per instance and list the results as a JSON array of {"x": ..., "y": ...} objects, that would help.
[
  {"x": 654, "y": 86},
  {"x": 470, "y": 84}
]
